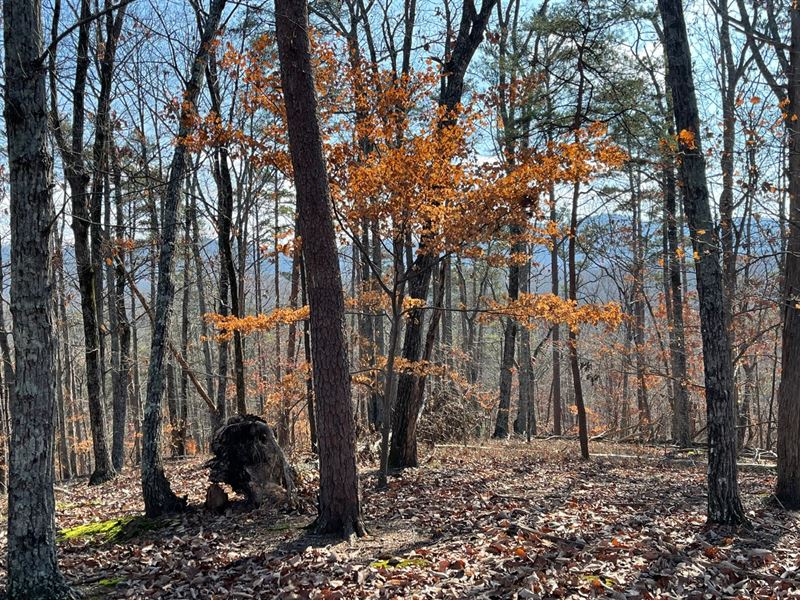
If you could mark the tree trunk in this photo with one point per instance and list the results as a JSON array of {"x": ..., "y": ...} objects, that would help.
[
  {"x": 681, "y": 430},
  {"x": 183, "y": 398},
  {"x": 78, "y": 180},
  {"x": 526, "y": 417},
  {"x": 509, "y": 344},
  {"x": 225, "y": 223},
  {"x": 32, "y": 565},
  {"x": 121, "y": 325},
  {"x": 339, "y": 502},
  {"x": 469, "y": 36},
  {"x": 638, "y": 305},
  {"x": 724, "y": 504},
  {"x": 556, "y": 335},
  {"x": 201, "y": 300},
  {"x": 158, "y": 496},
  {"x": 577, "y": 386},
  {"x": 788, "y": 486}
]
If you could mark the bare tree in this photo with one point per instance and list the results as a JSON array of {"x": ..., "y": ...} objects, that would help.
[{"x": 158, "y": 496}]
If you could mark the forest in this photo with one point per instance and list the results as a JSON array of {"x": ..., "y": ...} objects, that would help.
[{"x": 400, "y": 299}]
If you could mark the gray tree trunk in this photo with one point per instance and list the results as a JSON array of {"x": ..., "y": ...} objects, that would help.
[
  {"x": 788, "y": 486},
  {"x": 33, "y": 572},
  {"x": 159, "y": 498},
  {"x": 724, "y": 504}
]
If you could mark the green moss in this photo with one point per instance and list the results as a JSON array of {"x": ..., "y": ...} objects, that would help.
[
  {"x": 111, "y": 582},
  {"x": 113, "y": 530},
  {"x": 400, "y": 563}
]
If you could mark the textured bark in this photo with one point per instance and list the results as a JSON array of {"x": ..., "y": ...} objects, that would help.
[
  {"x": 724, "y": 504},
  {"x": 32, "y": 565},
  {"x": 339, "y": 502},
  {"x": 788, "y": 486},
  {"x": 158, "y": 496}
]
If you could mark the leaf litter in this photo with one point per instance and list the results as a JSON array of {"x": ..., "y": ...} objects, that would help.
[{"x": 507, "y": 520}]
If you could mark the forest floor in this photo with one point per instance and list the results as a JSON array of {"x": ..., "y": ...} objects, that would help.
[{"x": 505, "y": 520}]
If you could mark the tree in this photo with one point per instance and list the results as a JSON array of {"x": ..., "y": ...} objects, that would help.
[
  {"x": 159, "y": 498},
  {"x": 787, "y": 489},
  {"x": 471, "y": 28},
  {"x": 32, "y": 564},
  {"x": 724, "y": 504},
  {"x": 78, "y": 178},
  {"x": 339, "y": 502}
]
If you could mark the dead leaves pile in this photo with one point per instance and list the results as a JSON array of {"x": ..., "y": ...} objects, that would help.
[{"x": 507, "y": 521}]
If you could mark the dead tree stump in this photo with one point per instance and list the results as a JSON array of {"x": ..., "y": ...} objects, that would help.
[{"x": 248, "y": 458}]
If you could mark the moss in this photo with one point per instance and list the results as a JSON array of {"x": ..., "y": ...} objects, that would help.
[
  {"x": 110, "y": 582},
  {"x": 400, "y": 563},
  {"x": 113, "y": 530}
]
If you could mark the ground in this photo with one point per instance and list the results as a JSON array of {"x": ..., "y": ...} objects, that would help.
[{"x": 507, "y": 520}]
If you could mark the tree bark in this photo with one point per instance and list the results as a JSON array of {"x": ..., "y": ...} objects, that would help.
[
  {"x": 788, "y": 486},
  {"x": 158, "y": 496},
  {"x": 724, "y": 504},
  {"x": 339, "y": 502},
  {"x": 32, "y": 564}
]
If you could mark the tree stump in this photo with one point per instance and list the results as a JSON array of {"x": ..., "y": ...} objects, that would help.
[{"x": 248, "y": 458}]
